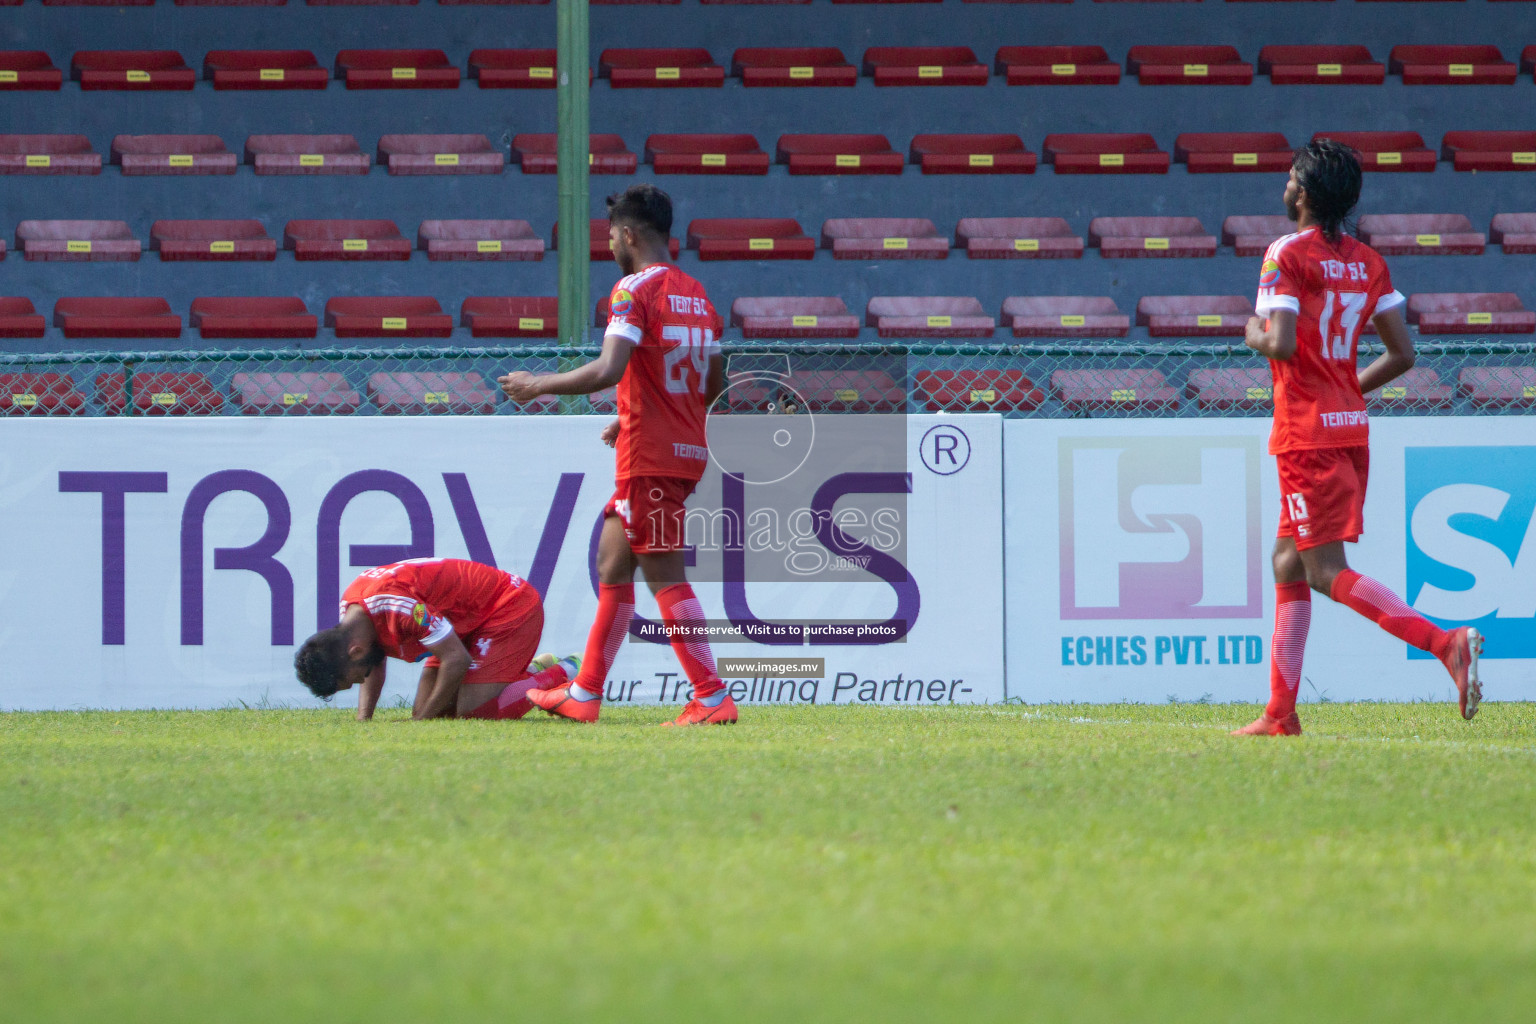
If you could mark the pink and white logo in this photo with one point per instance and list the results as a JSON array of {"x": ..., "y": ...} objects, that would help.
[{"x": 1160, "y": 528}]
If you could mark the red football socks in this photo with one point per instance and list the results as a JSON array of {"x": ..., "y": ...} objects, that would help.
[
  {"x": 1293, "y": 617},
  {"x": 1388, "y": 611},
  {"x": 679, "y": 608},
  {"x": 512, "y": 701},
  {"x": 615, "y": 609}
]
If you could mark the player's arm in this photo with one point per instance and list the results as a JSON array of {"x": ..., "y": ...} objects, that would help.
[
  {"x": 368, "y": 693},
  {"x": 1275, "y": 337},
  {"x": 1397, "y": 359},
  {"x": 450, "y": 675},
  {"x": 601, "y": 373}
]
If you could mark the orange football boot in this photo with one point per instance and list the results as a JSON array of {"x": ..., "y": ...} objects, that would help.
[
  {"x": 695, "y": 713},
  {"x": 560, "y": 703},
  {"x": 1461, "y": 661},
  {"x": 1290, "y": 725}
]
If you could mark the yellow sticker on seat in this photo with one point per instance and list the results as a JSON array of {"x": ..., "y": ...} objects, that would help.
[
  {"x": 1389, "y": 158},
  {"x": 983, "y": 395},
  {"x": 488, "y": 245},
  {"x": 803, "y": 321},
  {"x": 137, "y": 76},
  {"x": 393, "y": 323},
  {"x": 162, "y": 397},
  {"x": 25, "y": 399},
  {"x": 295, "y": 397},
  {"x": 847, "y": 395},
  {"x": 1330, "y": 70},
  {"x": 272, "y": 74},
  {"x": 894, "y": 243},
  {"x": 1208, "y": 320},
  {"x": 981, "y": 160},
  {"x": 1461, "y": 70},
  {"x": 8, "y": 77},
  {"x": 311, "y": 159},
  {"x": 530, "y": 323},
  {"x": 802, "y": 72},
  {"x": 180, "y": 160},
  {"x": 712, "y": 159},
  {"x": 1196, "y": 70},
  {"x": 1397, "y": 392},
  {"x": 541, "y": 72},
  {"x": 1426, "y": 239},
  {"x": 1026, "y": 245},
  {"x": 402, "y": 72},
  {"x": 847, "y": 160},
  {"x": 1073, "y": 320},
  {"x": 1123, "y": 395},
  {"x": 435, "y": 398},
  {"x": 1530, "y": 391},
  {"x": 1479, "y": 318},
  {"x": 39, "y": 160},
  {"x": 221, "y": 246},
  {"x": 930, "y": 71},
  {"x": 1154, "y": 243},
  {"x": 760, "y": 244},
  {"x": 445, "y": 159},
  {"x": 1111, "y": 159},
  {"x": 354, "y": 244},
  {"x": 77, "y": 246},
  {"x": 940, "y": 321},
  {"x": 1258, "y": 394},
  {"x": 1063, "y": 69},
  {"x": 1522, "y": 158},
  {"x": 669, "y": 73},
  {"x": 1245, "y": 159}
]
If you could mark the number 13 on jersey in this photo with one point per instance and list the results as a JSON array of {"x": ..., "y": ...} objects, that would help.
[
  {"x": 1349, "y": 306},
  {"x": 689, "y": 350}
]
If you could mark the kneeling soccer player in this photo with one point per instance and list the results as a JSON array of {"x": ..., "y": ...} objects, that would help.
[{"x": 475, "y": 627}]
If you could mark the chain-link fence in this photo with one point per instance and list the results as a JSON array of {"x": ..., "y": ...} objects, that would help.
[{"x": 1064, "y": 379}]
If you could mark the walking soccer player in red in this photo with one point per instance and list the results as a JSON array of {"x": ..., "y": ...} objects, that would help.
[
  {"x": 1318, "y": 287},
  {"x": 662, "y": 349}
]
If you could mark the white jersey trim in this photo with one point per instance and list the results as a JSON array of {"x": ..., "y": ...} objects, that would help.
[
  {"x": 443, "y": 631},
  {"x": 1269, "y": 302},
  {"x": 621, "y": 328},
  {"x": 1386, "y": 302}
]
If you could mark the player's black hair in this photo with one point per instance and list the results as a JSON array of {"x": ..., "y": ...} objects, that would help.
[
  {"x": 642, "y": 206},
  {"x": 322, "y": 660},
  {"x": 1329, "y": 171}
]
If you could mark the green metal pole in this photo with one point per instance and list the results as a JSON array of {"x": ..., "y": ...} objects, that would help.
[{"x": 573, "y": 148}]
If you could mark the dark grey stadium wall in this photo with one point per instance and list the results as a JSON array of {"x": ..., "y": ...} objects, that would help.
[{"x": 899, "y": 113}]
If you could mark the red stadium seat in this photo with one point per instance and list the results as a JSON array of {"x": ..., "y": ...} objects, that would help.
[
  {"x": 1528, "y": 60},
  {"x": 1012, "y": 238},
  {"x": 1109, "y": 389},
  {"x": 173, "y": 154},
  {"x": 211, "y": 240},
  {"x": 792, "y": 65},
  {"x": 95, "y": 241},
  {"x": 1386, "y": 151},
  {"x": 264, "y": 69},
  {"x": 1227, "y": 152},
  {"x": 1064, "y": 316},
  {"x": 1498, "y": 386},
  {"x": 1490, "y": 151},
  {"x": 794, "y": 317},
  {"x": 1414, "y": 391},
  {"x": 131, "y": 69},
  {"x": 1252, "y": 235},
  {"x": 387, "y": 316},
  {"x": 290, "y": 394},
  {"x": 708, "y": 2},
  {"x": 750, "y": 238},
  {"x": 116, "y": 317},
  {"x": 928, "y": 316},
  {"x": 1150, "y": 237},
  {"x": 971, "y": 154},
  {"x": 30, "y": 70},
  {"x": 442, "y": 392},
  {"x": 159, "y": 394},
  {"x": 479, "y": 240},
  {"x": 1470, "y": 313},
  {"x": 1188, "y": 65},
  {"x": 361, "y": 3},
  {"x": 20, "y": 319},
  {"x": 39, "y": 394},
  {"x": 597, "y": 240},
  {"x": 513, "y": 316},
  {"x": 346, "y": 240},
  {"x": 883, "y": 238},
  {"x": 1240, "y": 387},
  {"x": 440, "y": 154},
  {"x": 1321, "y": 65},
  {"x": 253, "y": 317},
  {"x": 838, "y": 154},
  {"x": 1105, "y": 153},
  {"x": 538, "y": 154},
  {"x": 848, "y": 390},
  {"x": 1194, "y": 316},
  {"x": 1452, "y": 65},
  {"x": 977, "y": 391},
  {"x": 227, "y": 3},
  {"x": 1057, "y": 65},
  {"x": 1515, "y": 232},
  {"x": 396, "y": 69},
  {"x": 660, "y": 68},
  {"x": 924, "y": 65},
  {"x": 705, "y": 154},
  {"x": 48, "y": 154},
  {"x": 306, "y": 154},
  {"x": 1428, "y": 234},
  {"x": 513, "y": 69}
]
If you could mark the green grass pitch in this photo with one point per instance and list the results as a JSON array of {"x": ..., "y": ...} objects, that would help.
[{"x": 811, "y": 864}]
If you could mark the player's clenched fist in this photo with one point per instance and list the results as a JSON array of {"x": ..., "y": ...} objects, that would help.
[
  {"x": 520, "y": 386},
  {"x": 610, "y": 434}
]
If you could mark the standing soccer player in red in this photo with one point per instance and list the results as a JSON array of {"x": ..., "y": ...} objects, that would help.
[
  {"x": 662, "y": 349},
  {"x": 1318, "y": 287}
]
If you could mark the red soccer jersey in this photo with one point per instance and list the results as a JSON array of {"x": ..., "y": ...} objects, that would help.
[
  {"x": 1333, "y": 289},
  {"x": 674, "y": 329},
  {"x": 420, "y": 602}
]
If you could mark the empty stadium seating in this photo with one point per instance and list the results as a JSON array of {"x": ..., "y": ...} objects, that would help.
[
  {"x": 1194, "y": 316},
  {"x": 345, "y": 240},
  {"x": 971, "y": 154},
  {"x": 48, "y": 154},
  {"x": 158, "y": 394},
  {"x": 976, "y": 391},
  {"x": 750, "y": 238},
  {"x": 513, "y": 69},
  {"x": 39, "y": 394},
  {"x": 116, "y": 317},
  {"x": 838, "y": 154},
  {"x": 396, "y": 69},
  {"x": 1110, "y": 389},
  {"x": 928, "y": 316},
  {"x": 1056, "y": 65},
  {"x": 537, "y": 153},
  {"x": 996, "y": 238},
  {"x": 432, "y": 392},
  {"x": 924, "y": 65},
  {"x": 1429, "y": 234},
  {"x": 20, "y": 319},
  {"x": 660, "y": 68},
  {"x": 1230, "y": 388},
  {"x": 264, "y": 69},
  {"x": 1188, "y": 65},
  {"x": 211, "y": 240},
  {"x": 705, "y": 154},
  {"x": 306, "y": 154},
  {"x": 883, "y": 238},
  {"x": 1105, "y": 153},
  {"x": 1387, "y": 151},
  {"x": 286, "y": 394},
  {"x": 1064, "y": 316},
  {"x": 1451, "y": 65},
  {"x": 794, "y": 317},
  {"x": 762, "y": 66},
  {"x": 1490, "y": 151},
  {"x": 1150, "y": 237},
  {"x": 597, "y": 241},
  {"x": 131, "y": 69},
  {"x": 848, "y": 390},
  {"x": 1514, "y": 232},
  {"x": 253, "y": 317},
  {"x": 173, "y": 154},
  {"x": 1321, "y": 65},
  {"x": 1227, "y": 152},
  {"x": 387, "y": 316},
  {"x": 440, "y": 154},
  {"x": 1416, "y": 389},
  {"x": 516, "y": 316},
  {"x": 1251, "y": 235},
  {"x": 1470, "y": 313},
  {"x": 1498, "y": 386},
  {"x": 77, "y": 241},
  {"x": 28, "y": 70},
  {"x": 479, "y": 240}
]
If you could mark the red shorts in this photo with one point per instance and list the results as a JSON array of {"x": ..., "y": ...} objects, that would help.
[
  {"x": 500, "y": 650},
  {"x": 1322, "y": 494},
  {"x": 652, "y": 510}
]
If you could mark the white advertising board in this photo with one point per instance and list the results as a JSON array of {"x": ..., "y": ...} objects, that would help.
[
  {"x": 177, "y": 562},
  {"x": 1138, "y": 559}
]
